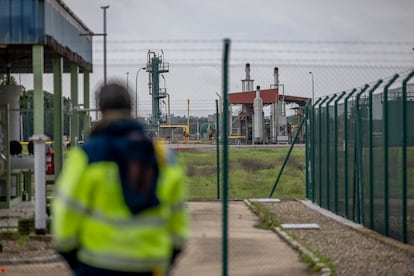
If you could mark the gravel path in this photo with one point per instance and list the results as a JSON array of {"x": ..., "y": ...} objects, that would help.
[{"x": 352, "y": 251}]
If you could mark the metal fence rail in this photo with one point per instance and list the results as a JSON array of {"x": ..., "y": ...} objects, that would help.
[{"x": 360, "y": 160}]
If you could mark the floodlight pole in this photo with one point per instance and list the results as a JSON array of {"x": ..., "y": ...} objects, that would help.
[{"x": 104, "y": 35}]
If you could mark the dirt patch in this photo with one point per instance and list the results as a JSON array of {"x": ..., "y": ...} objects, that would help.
[{"x": 18, "y": 247}]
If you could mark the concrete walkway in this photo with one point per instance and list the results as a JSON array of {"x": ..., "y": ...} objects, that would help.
[{"x": 251, "y": 251}]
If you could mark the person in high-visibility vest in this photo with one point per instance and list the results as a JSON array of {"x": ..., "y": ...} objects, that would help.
[{"x": 119, "y": 205}]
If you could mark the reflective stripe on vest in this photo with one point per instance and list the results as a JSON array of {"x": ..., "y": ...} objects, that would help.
[
  {"x": 119, "y": 263},
  {"x": 147, "y": 220}
]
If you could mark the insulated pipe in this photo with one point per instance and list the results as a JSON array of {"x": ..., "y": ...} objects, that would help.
[
  {"x": 40, "y": 180},
  {"x": 258, "y": 117},
  {"x": 10, "y": 94}
]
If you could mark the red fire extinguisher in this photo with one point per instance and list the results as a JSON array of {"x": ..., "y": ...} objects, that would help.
[{"x": 50, "y": 166}]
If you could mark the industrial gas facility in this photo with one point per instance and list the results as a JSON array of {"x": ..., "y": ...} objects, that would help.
[
  {"x": 249, "y": 126},
  {"x": 247, "y": 123},
  {"x": 55, "y": 41}
]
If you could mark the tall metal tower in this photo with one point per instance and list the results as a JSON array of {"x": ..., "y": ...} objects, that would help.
[{"x": 155, "y": 67}]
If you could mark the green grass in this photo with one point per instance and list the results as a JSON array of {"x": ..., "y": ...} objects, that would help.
[{"x": 251, "y": 174}]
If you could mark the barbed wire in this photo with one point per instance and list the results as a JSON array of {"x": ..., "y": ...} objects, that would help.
[
  {"x": 266, "y": 41},
  {"x": 256, "y": 50}
]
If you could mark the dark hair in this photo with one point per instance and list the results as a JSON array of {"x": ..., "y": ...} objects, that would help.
[{"x": 113, "y": 96}]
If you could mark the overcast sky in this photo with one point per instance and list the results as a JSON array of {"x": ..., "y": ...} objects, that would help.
[
  {"x": 136, "y": 26},
  {"x": 247, "y": 19}
]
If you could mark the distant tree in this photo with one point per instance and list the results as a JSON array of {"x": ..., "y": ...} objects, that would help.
[
  {"x": 26, "y": 103},
  {"x": 5, "y": 81}
]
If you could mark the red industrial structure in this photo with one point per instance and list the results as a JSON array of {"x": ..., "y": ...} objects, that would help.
[{"x": 249, "y": 124}]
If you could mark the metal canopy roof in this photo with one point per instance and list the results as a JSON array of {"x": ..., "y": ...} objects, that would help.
[
  {"x": 269, "y": 96},
  {"x": 24, "y": 23}
]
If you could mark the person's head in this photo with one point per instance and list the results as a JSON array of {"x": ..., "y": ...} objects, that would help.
[{"x": 113, "y": 97}]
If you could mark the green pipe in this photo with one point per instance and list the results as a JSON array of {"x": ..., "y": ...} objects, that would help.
[
  {"x": 313, "y": 149},
  {"x": 225, "y": 154},
  {"x": 385, "y": 136},
  {"x": 336, "y": 150},
  {"x": 320, "y": 148},
  {"x": 371, "y": 159},
  {"x": 360, "y": 183},
  {"x": 404, "y": 156},
  {"x": 287, "y": 157},
  {"x": 327, "y": 152},
  {"x": 346, "y": 150},
  {"x": 218, "y": 150}
]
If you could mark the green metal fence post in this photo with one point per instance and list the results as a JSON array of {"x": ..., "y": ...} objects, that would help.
[
  {"x": 287, "y": 157},
  {"x": 346, "y": 150},
  {"x": 320, "y": 148},
  {"x": 385, "y": 136},
  {"x": 312, "y": 149},
  {"x": 371, "y": 159},
  {"x": 307, "y": 140},
  {"x": 404, "y": 156},
  {"x": 218, "y": 149},
  {"x": 336, "y": 150},
  {"x": 225, "y": 155},
  {"x": 358, "y": 148},
  {"x": 328, "y": 198}
]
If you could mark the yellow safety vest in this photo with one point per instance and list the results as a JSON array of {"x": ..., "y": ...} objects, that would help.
[{"x": 90, "y": 216}]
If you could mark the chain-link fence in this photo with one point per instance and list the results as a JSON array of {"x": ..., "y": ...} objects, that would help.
[{"x": 361, "y": 155}]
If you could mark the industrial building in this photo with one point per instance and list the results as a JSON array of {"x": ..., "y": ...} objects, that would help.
[{"x": 249, "y": 125}]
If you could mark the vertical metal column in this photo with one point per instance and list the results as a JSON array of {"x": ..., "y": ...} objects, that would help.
[
  {"x": 358, "y": 148},
  {"x": 346, "y": 150},
  {"x": 218, "y": 149},
  {"x": 155, "y": 91},
  {"x": 225, "y": 154},
  {"x": 404, "y": 156},
  {"x": 336, "y": 151},
  {"x": 104, "y": 44},
  {"x": 371, "y": 159},
  {"x": 320, "y": 149},
  {"x": 307, "y": 154},
  {"x": 39, "y": 141},
  {"x": 86, "y": 104},
  {"x": 328, "y": 197},
  {"x": 312, "y": 149},
  {"x": 74, "y": 117},
  {"x": 57, "y": 113},
  {"x": 38, "y": 95},
  {"x": 385, "y": 133}
]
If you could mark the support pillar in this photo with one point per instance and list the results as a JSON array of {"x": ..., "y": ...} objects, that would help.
[
  {"x": 74, "y": 116},
  {"x": 86, "y": 105},
  {"x": 57, "y": 113},
  {"x": 38, "y": 96}
]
